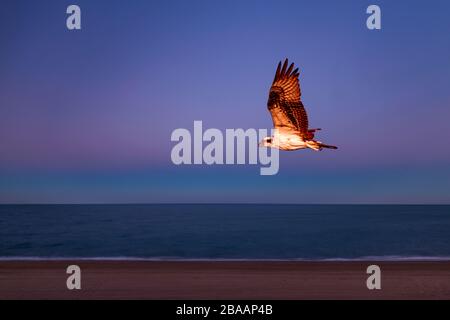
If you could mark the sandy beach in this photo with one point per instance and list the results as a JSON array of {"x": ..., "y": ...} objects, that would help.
[{"x": 223, "y": 280}]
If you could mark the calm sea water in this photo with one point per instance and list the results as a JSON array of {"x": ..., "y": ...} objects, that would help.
[{"x": 224, "y": 231}]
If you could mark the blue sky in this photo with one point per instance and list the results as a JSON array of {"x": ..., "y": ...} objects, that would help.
[{"x": 86, "y": 116}]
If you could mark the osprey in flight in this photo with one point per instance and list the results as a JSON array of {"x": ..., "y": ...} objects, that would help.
[{"x": 288, "y": 114}]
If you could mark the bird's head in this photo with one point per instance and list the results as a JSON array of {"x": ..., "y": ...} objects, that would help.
[{"x": 266, "y": 142}]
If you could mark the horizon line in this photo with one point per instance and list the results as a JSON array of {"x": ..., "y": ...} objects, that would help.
[{"x": 221, "y": 203}]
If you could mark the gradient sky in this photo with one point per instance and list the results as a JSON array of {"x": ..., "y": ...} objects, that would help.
[{"x": 86, "y": 116}]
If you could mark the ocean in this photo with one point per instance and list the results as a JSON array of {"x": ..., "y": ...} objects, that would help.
[{"x": 225, "y": 232}]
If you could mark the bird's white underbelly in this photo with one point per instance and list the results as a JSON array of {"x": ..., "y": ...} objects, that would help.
[{"x": 289, "y": 141}]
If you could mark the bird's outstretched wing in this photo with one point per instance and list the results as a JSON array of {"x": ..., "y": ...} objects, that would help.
[{"x": 285, "y": 106}]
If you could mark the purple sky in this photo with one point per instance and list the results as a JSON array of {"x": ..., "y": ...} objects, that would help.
[{"x": 86, "y": 116}]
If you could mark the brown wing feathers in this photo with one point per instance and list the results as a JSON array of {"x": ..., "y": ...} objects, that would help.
[{"x": 285, "y": 93}]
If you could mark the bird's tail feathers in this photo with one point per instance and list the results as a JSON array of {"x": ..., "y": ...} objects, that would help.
[{"x": 317, "y": 145}]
